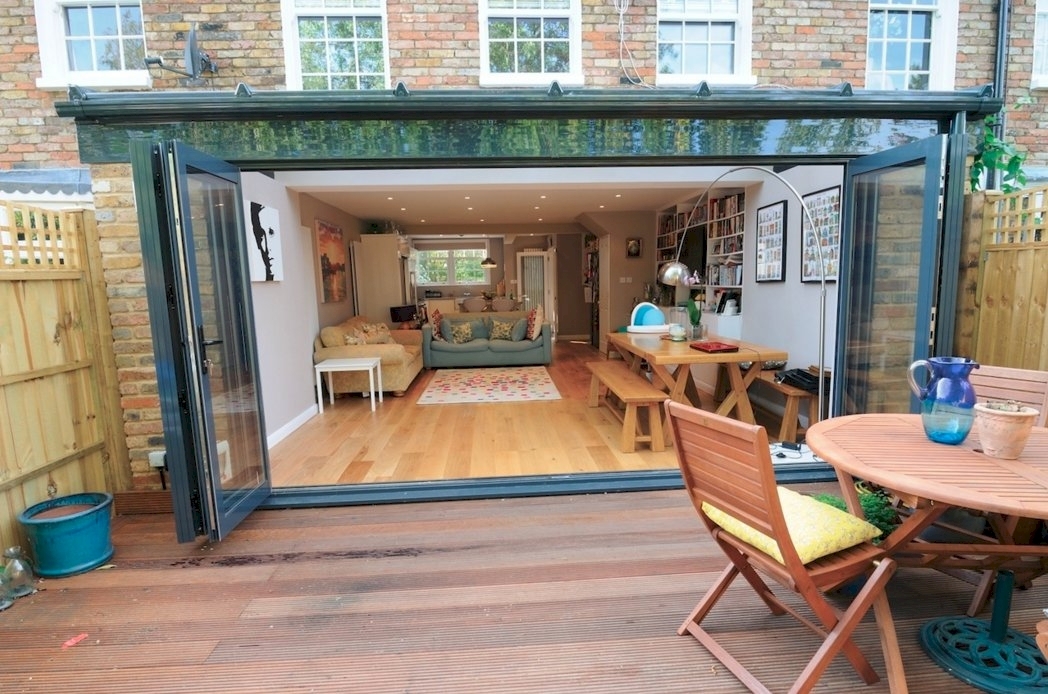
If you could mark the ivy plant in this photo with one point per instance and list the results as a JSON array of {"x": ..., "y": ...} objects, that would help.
[{"x": 994, "y": 154}]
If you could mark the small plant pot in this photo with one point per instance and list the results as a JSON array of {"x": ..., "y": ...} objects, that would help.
[
  {"x": 69, "y": 534},
  {"x": 1003, "y": 433}
]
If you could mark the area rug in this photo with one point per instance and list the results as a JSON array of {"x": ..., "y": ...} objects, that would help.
[{"x": 499, "y": 384}]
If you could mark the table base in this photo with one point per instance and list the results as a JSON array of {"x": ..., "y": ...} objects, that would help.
[{"x": 964, "y": 647}]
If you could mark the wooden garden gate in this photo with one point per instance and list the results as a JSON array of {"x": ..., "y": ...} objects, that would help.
[{"x": 60, "y": 419}]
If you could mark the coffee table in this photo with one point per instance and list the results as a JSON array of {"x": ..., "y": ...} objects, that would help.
[{"x": 329, "y": 366}]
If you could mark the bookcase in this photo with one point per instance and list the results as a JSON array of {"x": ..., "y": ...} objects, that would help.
[
  {"x": 724, "y": 248},
  {"x": 713, "y": 244}
]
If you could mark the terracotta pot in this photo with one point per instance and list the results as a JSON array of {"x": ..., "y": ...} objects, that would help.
[{"x": 1003, "y": 434}]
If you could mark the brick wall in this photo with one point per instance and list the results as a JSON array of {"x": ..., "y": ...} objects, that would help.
[{"x": 435, "y": 45}]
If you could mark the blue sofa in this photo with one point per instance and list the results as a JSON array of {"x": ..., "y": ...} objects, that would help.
[{"x": 482, "y": 351}]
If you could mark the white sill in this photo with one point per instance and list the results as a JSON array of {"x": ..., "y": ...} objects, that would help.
[{"x": 132, "y": 79}]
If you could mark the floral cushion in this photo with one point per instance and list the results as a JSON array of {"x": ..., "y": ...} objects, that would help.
[
  {"x": 436, "y": 320},
  {"x": 536, "y": 318},
  {"x": 817, "y": 529},
  {"x": 502, "y": 329},
  {"x": 461, "y": 332},
  {"x": 375, "y": 334}
]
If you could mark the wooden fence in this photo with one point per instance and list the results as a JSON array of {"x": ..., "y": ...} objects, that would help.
[
  {"x": 1011, "y": 289},
  {"x": 60, "y": 419}
]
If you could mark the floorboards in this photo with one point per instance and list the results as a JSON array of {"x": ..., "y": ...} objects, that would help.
[{"x": 543, "y": 594}]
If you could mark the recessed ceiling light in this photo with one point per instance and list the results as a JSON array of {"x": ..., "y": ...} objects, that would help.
[
  {"x": 389, "y": 197},
  {"x": 467, "y": 197},
  {"x": 602, "y": 207},
  {"x": 470, "y": 209},
  {"x": 542, "y": 197},
  {"x": 536, "y": 207},
  {"x": 618, "y": 195},
  {"x": 403, "y": 209}
]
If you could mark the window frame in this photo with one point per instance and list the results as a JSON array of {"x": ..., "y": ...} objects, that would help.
[
  {"x": 743, "y": 21},
  {"x": 574, "y": 77},
  {"x": 942, "y": 68},
  {"x": 54, "y": 59},
  {"x": 1039, "y": 80},
  {"x": 450, "y": 246},
  {"x": 291, "y": 11}
]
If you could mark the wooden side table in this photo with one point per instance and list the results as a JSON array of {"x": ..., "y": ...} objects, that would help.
[{"x": 329, "y": 366}]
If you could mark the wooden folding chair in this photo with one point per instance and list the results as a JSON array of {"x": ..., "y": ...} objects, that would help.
[{"x": 727, "y": 470}]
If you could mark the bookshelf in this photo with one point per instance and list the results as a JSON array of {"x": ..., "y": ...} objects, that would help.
[{"x": 713, "y": 244}]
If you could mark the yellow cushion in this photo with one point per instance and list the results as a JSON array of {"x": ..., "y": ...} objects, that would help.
[{"x": 817, "y": 529}]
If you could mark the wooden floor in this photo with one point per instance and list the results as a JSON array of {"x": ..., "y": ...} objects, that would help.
[
  {"x": 403, "y": 441},
  {"x": 551, "y": 594}
]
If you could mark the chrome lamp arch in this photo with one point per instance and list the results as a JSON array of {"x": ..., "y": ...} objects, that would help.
[{"x": 674, "y": 272}]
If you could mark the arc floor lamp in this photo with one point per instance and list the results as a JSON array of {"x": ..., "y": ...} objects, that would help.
[{"x": 674, "y": 272}]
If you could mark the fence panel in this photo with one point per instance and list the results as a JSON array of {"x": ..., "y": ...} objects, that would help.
[
  {"x": 60, "y": 422},
  {"x": 1013, "y": 280}
]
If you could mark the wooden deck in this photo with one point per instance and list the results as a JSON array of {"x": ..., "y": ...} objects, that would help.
[{"x": 549, "y": 594}]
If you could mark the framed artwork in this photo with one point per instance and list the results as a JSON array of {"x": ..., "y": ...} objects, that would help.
[
  {"x": 263, "y": 244},
  {"x": 825, "y": 209},
  {"x": 771, "y": 243},
  {"x": 633, "y": 248},
  {"x": 331, "y": 254}
]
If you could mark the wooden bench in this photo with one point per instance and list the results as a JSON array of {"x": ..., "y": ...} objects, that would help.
[
  {"x": 634, "y": 392},
  {"x": 789, "y": 428}
]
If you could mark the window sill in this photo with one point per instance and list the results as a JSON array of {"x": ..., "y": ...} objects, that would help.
[
  {"x": 716, "y": 80},
  {"x": 530, "y": 80},
  {"x": 131, "y": 79}
]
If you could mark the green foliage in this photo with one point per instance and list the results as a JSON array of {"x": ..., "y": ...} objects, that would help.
[
  {"x": 694, "y": 312},
  {"x": 876, "y": 506},
  {"x": 994, "y": 154}
]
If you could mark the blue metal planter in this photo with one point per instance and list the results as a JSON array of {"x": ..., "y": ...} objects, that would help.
[{"x": 69, "y": 534}]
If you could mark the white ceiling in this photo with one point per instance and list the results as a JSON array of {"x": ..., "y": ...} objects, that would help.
[{"x": 422, "y": 199}]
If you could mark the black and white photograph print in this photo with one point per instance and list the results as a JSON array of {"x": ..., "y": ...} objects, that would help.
[{"x": 263, "y": 243}]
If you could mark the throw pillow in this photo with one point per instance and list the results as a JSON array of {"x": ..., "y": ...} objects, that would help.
[
  {"x": 520, "y": 330},
  {"x": 354, "y": 337},
  {"x": 436, "y": 319},
  {"x": 817, "y": 529},
  {"x": 461, "y": 332},
  {"x": 501, "y": 329},
  {"x": 535, "y": 321},
  {"x": 376, "y": 333}
]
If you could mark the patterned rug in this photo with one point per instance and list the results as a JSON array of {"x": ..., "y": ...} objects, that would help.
[{"x": 502, "y": 384}]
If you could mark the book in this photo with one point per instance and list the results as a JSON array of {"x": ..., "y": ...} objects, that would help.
[{"x": 714, "y": 346}]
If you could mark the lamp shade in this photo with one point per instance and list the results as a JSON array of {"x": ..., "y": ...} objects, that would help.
[
  {"x": 673, "y": 273},
  {"x": 488, "y": 263}
]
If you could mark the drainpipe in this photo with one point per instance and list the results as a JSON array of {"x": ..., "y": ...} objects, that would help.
[{"x": 1000, "y": 69}]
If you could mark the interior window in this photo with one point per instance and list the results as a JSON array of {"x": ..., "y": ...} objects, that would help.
[
  {"x": 91, "y": 44},
  {"x": 911, "y": 44},
  {"x": 525, "y": 42},
  {"x": 336, "y": 44},
  {"x": 704, "y": 40},
  {"x": 1039, "y": 78},
  {"x": 451, "y": 265}
]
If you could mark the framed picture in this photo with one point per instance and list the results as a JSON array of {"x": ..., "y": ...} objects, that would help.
[
  {"x": 771, "y": 243},
  {"x": 825, "y": 209},
  {"x": 263, "y": 244},
  {"x": 633, "y": 248},
  {"x": 331, "y": 254}
]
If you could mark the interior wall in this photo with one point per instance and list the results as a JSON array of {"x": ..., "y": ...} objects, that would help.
[
  {"x": 786, "y": 314},
  {"x": 285, "y": 315},
  {"x": 626, "y": 276},
  {"x": 572, "y": 310},
  {"x": 310, "y": 209}
]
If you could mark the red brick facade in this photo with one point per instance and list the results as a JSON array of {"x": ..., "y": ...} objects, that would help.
[{"x": 431, "y": 46}]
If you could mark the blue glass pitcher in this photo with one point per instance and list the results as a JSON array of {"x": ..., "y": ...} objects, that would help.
[{"x": 947, "y": 399}]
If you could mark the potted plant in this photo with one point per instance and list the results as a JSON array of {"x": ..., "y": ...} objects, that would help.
[{"x": 1004, "y": 426}]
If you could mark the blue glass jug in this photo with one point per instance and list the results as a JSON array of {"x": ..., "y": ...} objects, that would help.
[{"x": 947, "y": 399}]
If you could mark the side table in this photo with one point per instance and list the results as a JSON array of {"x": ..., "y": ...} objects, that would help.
[{"x": 329, "y": 366}]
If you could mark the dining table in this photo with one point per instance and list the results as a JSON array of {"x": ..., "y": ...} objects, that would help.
[
  {"x": 929, "y": 479},
  {"x": 670, "y": 362}
]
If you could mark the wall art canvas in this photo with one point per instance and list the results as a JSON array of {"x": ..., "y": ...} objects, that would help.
[
  {"x": 825, "y": 209},
  {"x": 331, "y": 252},
  {"x": 771, "y": 242},
  {"x": 263, "y": 243}
]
